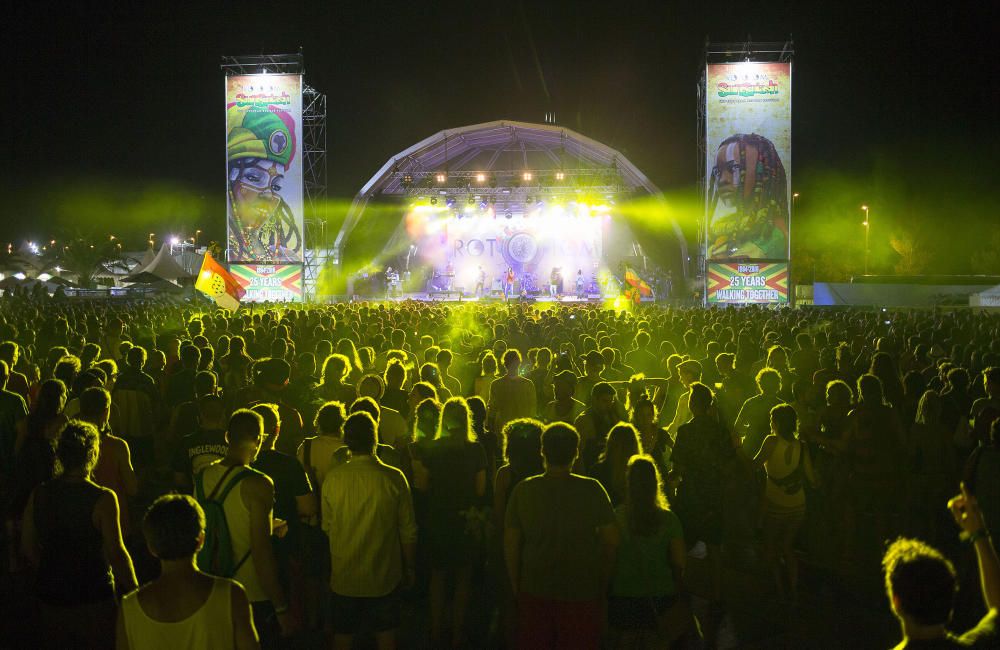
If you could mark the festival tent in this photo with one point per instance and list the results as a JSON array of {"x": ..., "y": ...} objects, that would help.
[
  {"x": 988, "y": 298},
  {"x": 147, "y": 258},
  {"x": 161, "y": 267}
]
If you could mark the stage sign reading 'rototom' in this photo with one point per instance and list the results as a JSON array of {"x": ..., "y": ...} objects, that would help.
[
  {"x": 264, "y": 168},
  {"x": 739, "y": 283},
  {"x": 748, "y": 128}
]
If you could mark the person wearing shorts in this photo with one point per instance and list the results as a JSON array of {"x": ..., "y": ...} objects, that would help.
[{"x": 368, "y": 516}]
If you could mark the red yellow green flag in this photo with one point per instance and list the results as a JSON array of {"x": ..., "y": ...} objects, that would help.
[
  {"x": 216, "y": 282},
  {"x": 632, "y": 278}
]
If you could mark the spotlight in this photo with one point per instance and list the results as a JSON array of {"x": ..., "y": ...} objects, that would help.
[
  {"x": 407, "y": 180},
  {"x": 508, "y": 216},
  {"x": 441, "y": 178},
  {"x": 472, "y": 200},
  {"x": 450, "y": 202},
  {"x": 526, "y": 177},
  {"x": 434, "y": 200},
  {"x": 480, "y": 177},
  {"x": 560, "y": 176},
  {"x": 483, "y": 205}
]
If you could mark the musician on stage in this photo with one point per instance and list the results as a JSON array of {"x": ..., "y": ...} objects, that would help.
[
  {"x": 391, "y": 282},
  {"x": 508, "y": 283},
  {"x": 581, "y": 284},
  {"x": 480, "y": 282},
  {"x": 555, "y": 282}
]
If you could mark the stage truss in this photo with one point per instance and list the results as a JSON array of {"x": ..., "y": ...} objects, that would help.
[{"x": 509, "y": 167}]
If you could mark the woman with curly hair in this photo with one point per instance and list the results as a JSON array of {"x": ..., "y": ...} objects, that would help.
[
  {"x": 72, "y": 535},
  {"x": 335, "y": 384}
]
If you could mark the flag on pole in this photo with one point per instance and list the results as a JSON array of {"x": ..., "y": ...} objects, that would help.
[
  {"x": 216, "y": 282},
  {"x": 638, "y": 284}
]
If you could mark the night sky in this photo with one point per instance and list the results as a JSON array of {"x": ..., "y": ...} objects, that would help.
[{"x": 892, "y": 99}]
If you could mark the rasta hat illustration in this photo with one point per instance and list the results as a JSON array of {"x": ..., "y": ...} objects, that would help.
[
  {"x": 749, "y": 181},
  {"x": 268, "y": 135},
  {"x": 260, "y": 147}
]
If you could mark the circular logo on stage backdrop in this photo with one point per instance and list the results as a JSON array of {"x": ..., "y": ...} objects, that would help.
[
  {"x": 521, "y": 248},
  {"x": 278, "y": 142}
]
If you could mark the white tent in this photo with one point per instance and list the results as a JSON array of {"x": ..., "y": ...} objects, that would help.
[{"x": 161, "y": 267}]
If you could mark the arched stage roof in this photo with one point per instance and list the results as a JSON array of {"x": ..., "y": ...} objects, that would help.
[{"x": 503, "y": 147}]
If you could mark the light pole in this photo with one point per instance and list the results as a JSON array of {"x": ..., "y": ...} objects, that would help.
[
  {"x": 791, "y": 217},
  {"x": 867, "y": 224}
]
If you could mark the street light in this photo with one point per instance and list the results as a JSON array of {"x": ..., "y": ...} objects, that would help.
[
  {"x": 867, "y": 224},
  {"x": 791, "y": 216}
]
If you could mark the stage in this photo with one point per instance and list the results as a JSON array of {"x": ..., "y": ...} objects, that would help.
[{"x": 458, "y": 296}]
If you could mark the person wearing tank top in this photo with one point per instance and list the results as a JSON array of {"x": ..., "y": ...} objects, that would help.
[
  {"x": 786, "y": 462},
  {"x": 249, "y": 510},
  {"x": 183, "y": 608},
  {"x": 72, "y": 535}
]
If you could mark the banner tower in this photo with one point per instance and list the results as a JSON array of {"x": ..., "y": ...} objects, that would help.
[
  {"x": 271, "y": 165},
  {"x": 745, "y": 131}
]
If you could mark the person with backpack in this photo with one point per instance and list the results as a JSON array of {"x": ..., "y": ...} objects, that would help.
[{"x": 239, "y": 506}]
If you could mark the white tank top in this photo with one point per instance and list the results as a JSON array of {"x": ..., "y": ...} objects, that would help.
[
  {"x": 238, "y": 518},
  {"x": 208, "y": 628}
]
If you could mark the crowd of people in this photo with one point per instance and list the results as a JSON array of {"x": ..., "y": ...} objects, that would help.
[{"x": 503, "y": 475}]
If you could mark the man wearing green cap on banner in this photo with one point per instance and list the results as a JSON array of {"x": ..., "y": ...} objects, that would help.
[{"x": 260, "y": 147}]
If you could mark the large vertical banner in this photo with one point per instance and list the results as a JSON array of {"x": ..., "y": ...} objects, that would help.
[
  {"x": 748, "y": 127},
  {"x": 264, "y": 168}
]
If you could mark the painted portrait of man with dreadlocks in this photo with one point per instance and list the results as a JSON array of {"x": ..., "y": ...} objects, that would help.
[
  {"x": 748, "y": 200},
  {"x": 260, "y": 148}
]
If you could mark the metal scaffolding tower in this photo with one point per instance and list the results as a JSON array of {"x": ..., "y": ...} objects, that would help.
[{"x": 314, "y": 178}]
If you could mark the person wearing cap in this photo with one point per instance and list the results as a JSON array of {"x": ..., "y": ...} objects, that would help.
[
  {"x": 565, "y": 407},
  {"x": 260, "y": 148}
]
